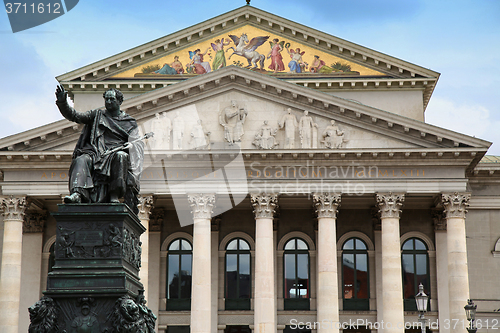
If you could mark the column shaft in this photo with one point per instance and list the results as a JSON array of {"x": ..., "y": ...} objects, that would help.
[
  {"x": 145, "y": 206},
  {"x": 201, "y": 292},
  {"x": 265, "y": 309},
  {"x": 326, "y": 205},
  {"x": 265, "y": 293},
  {"x": 10, "y": 275},
  {"x": 392, "y": 284}
]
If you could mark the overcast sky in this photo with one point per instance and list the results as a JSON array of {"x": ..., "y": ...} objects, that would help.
[{"x": 459, "y": 39}]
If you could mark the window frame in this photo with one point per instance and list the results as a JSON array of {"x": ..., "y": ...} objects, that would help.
[
  {"x": 237, "y": 303},
  {"x": 179, "y": 303},
  {"x": 297, "y": 303},
  {"x": 409, "y": 303},
  {"x": 360, "y": 304}
]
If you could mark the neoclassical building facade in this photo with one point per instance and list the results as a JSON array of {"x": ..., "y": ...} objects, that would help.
[{"x": 303, "y": 192}]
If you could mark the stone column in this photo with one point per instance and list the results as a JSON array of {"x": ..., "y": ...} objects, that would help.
[
  {"x": 145, "y": 207},
  {"x": 392, "y": 284},
  {"x": 441, "y": 269},
  {"x": 31, "y": 268},
  {"x": 265, "y": 294},
  {"x": 455, "y": 208},
  {"x": 326, "y": 205},
  {"x": 201, "y": 294},
  {"x": 155, "y": 223},
  {"x": 10, "y": 271}
]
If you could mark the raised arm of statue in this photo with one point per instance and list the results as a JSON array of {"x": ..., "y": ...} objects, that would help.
[{"x": 68, "y": 112}]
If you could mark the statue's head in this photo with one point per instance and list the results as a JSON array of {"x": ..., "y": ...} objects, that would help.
[
  {"x": 265, "y": 122},
  {"x": 332, "y": 121},
  {"x": 306, "y": 113},
  {"x": 85, "y": 310},
  {"x": 113, "y": 98},
  {"x": 289, "y": 111},
  {"x": 157, "y": 115},
  {"x": 233, "y": 103}
]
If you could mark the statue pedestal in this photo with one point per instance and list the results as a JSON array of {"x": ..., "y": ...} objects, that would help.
[{"x": 95, "y": 279}]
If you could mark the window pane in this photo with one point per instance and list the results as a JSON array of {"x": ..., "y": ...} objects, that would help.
[
  {"x": 174, "y": 245},
  {"x": 290, "y": 245},
  {"x": 231, "y": 276},
  {"x": 233, "y": 245},
  {"x": 303, "y": 276},
  {"x": 290, "y": 276},
  {"x": 301, "y": 245},
  {"x": 186, "y": 264},
  {"x": 361, "y": 276},
  {"x": 360, "y": 245},
  {"x": 185, "y": 245},
  {"x": 408, "y": 276},
  {"x": 349, "y": 245},
  {"x": 419, "y": 245},
  {"x": 348, "y": 275},
  {"x": 245, "y": 280},
  {"x": 173, "y": 276},
  {"x": 408, "y": 245},
  {"x": 244, "y": 245}
]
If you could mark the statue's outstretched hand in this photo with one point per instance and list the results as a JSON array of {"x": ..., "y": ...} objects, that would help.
[{"x": 61, "y": 94}]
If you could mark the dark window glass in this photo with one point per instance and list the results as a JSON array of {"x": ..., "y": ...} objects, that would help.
[
  {"x": 179, "y": 271},
  {"x": 296, "y": 275},
  {"x": 356, "y": 292},
  {"x": 52, "y": 257},
  {"x": 238, "y": 277},
  {"x": 415, "y": 268}
]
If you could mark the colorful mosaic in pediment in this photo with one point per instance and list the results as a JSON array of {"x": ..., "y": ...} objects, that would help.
[{"x": 249, "y": 47}]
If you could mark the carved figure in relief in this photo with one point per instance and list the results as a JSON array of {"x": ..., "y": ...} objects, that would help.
[
  {"x": 199, "y": 139},
  {"x": 66, "y": 244},
  {"x": 232, "y": 118},
  {"x": 161, "y": 126},
  {"x": 306, "y": 128},
  {"x": 86, "y": 322},
  {"x": 178, "y": 131},
  {"x": 108, "y": 158},
  {"x": 333, "y": 137},
  {"x": 114, "y": 236},
  {"x": 264, "y": 139},
  {"x": 289, "y": 122}
]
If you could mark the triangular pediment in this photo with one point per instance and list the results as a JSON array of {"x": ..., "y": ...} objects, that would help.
[
  {"x": 366, "y": 129},
  {"x": 369, "y": 69}
]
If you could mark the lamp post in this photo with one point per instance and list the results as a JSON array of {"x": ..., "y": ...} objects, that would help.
[
  {"x": 470, "y": 312},
  {"x": 421, "y": 299}
]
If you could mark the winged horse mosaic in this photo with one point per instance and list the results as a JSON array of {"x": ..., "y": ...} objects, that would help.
[{"x": 248, "y": 50}]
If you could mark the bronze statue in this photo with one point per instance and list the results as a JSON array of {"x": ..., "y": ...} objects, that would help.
[{"x": 108, "y": 158}]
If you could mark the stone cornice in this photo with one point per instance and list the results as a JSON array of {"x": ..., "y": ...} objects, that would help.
[
  {"x": 389, "y": 204},
  {"x": 326, "y": 204},
  {"x": 264, "y": 204},
  {"x": 455, "y": 205},
  {"x": 238, "y": 17},
  {"x": 202, "y": 205},
  {"x": 13, "y": 207}
]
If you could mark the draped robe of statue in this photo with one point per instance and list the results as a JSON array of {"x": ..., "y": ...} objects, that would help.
[{"x": 94, "y": 173}]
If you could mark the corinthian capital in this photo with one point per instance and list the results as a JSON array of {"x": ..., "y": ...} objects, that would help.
[
  {"x": 264, "y": 205},
  {"x": 455, "y": 205},
  {"x": 326, "y": 204},
  {"x": 390, "y": 204},
  {"x": 202, "y": 205},
  {"x": 145, "y": 207},
  {"x": 13, "y": 207}
]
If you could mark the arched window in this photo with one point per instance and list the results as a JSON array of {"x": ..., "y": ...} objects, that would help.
[
  {"x": 296, "y": 275},
  {"x": 179, "y": 269},
  {"x": 238, "y": 279},
  {"x": 355, "y": 279},
  {"x": 415, "y": 267}
]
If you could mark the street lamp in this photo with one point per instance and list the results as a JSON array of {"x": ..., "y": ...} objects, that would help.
[
  {"x": 421, "y": 299},
  {"x": 470, "y": 312}
]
